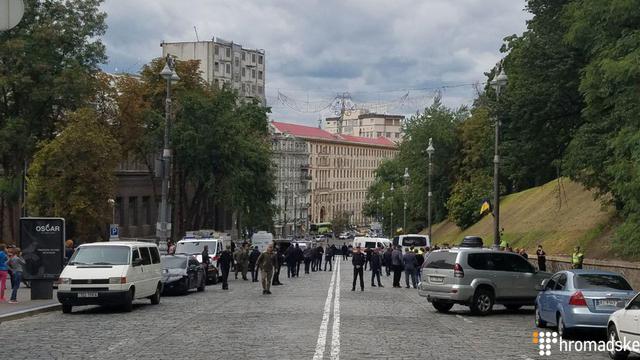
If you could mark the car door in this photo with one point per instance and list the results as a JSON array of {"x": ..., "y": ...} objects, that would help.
[
  {"x": 135, "y": 274},
  {"x": 629, "y": 321},
  {"x": 147, "y": 287},
  {"x": 522, "y": 273},
  {"x": 560, "y": 295},
  {"x": 503, "y": 275},
  {"x": 547, "y": 301}
]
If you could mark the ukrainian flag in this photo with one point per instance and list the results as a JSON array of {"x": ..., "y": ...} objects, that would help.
[{"x": 485, "y": 207}]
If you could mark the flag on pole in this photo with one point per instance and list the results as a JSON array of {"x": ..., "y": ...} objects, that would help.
[{"x": 485, "y": 207}]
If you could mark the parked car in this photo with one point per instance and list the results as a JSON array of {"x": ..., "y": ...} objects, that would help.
[
  {"x": 478, "y": 278},
  {"x": 113, "y": 273},
  {"x": 196, "y": 246},
  {"x": 623, "y": 326},
  {"x": 580, "y": 299},
  {"x": 181, "y": 273}
]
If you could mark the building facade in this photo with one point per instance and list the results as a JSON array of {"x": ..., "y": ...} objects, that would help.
[
  {"x": 341, "y": 169},
  {"x": 291, "y": 161},
  {"x": 369, "y": 125},
  {"x": 224, "y": 62}
]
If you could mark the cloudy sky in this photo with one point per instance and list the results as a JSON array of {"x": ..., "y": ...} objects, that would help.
[{"x": 377, "y": 50}]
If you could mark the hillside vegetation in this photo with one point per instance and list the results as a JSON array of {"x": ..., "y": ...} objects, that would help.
[{"x": 558, "y": 215}]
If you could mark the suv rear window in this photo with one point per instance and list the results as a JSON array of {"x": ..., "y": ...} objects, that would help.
[
  {"x": 441, "y": 260},
  {"x": 601, "y": 281}
]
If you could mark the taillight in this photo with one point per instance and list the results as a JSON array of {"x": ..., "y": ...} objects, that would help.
[
  {"x": 457, "y": 271},
  {"x": 577, "y": 299}
]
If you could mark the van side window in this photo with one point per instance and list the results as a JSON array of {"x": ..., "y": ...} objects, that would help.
[
  {"x": 134, "y": 255},
  {"x": 146, "y": 256},
  {"x": 155, "y": 255},
  {"x": 562, "y": 282}
]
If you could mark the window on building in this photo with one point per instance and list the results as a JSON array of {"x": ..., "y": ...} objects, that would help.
[
  {"x": 253, "y": 58},
  {"x": 253, "y": 89},
  {"x": 237, "y": 62},
  {"x": 260, "y": 59},
  {"x": 217, "y": 51},
  {"x": 260, "y": 75},
  {"x": 146, "y": 210},
  {"x": 227, "y": 52},
  {"x": 133, "y": 211},
  {"x": 119, "y": 211},
  {"x": 388, "y": 135},
  {"x": 259, "y": 89},
  {"x": 244, "y": 56},
  {"x": 216, "y": 66},
  {"x": 228, "y": 69},
  {"x": 244, "y": 72},
  {"x": 253, "y": 73}
]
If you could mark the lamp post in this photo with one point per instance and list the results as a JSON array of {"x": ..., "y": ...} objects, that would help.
[
  {"x": 498, "y": 84},
  {"x": 430, "y": 151},
  {"x": 404, "y": 209},
  {"x": 391, "y": 190},
  {"x": 382, "y": 218},
  {"x": 112, "y": 202},
  {"x": 169, "y": 74},
  {"x": 295, "y": 214},
  {"x": 284, "y": 226}
]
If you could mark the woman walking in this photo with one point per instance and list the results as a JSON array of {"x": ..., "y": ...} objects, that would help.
[
  {"x": 16, "y": 263},
  {"x": 4, "y": 271}
]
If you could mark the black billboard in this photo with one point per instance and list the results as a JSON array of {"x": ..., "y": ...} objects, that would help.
[{"x": 42, "y": 244}]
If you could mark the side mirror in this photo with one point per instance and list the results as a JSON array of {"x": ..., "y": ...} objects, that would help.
[
  {"x": 137, "y": 262},
  {"x": 543, "y": 285}
]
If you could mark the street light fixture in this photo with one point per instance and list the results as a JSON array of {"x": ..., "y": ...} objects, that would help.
[
  {"x": 112, "y": 203},
  {"x": 284, "y": 226},
  {"x": 404, "y": 209},
  {"x": 168, "y": 73},
  {"x": 391, "y": 231},
  {"x": 498, "y": 84},
  {"x": 382, "y": 219},
  {"x": 430, "y": 151}
]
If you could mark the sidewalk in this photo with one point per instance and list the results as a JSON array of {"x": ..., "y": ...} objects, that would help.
[{"x": 25, "y": 306}]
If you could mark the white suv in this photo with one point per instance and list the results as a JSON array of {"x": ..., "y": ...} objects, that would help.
[
  {"x": 623, "y": 326},
  {"x": 113, "y": 273}
]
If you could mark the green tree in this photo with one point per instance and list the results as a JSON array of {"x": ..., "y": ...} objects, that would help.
[
  {"x": 466, "y": 198},
  {"x": 72, "y": 176},
  {"x": 340, "y": 222}
]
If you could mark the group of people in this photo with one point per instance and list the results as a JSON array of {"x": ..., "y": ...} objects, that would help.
[
  {"x": 11, "y": 266},
  {"x": 393, "y": 260}
]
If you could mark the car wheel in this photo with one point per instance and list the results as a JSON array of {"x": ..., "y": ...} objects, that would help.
[
  {"x": 482, "y": 303},
  {"x": 563, "y": 331},
  {"x": 155, "y": 298},
  {"x": 186, "y": 286},
  {"x": 128, "y": 302},
  {"x": 214, "y": 279},
  {"x": 539, "y": 322},
  {"x": 513, "y": 307},
  {"x": 66, "y": 308},
  {"x": 203, "y": 285},
  {"x": 613, "y": 338},
  {"x": 442, "y": 307}
]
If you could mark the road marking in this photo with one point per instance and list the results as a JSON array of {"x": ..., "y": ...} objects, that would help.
[
  {"x": 322, "y": 334},
  {"x": 335, "y": 334},
  {"x": 464, "y": 318}
]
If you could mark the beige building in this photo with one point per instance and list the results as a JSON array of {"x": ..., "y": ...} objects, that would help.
[
  {"x": 366, "y": 124},
  {"x": 225, "y": 62},
  {"x": 341, "y": 169}
]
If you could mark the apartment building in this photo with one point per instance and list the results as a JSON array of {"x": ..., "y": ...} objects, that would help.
[{"x": 367, "y": 124}]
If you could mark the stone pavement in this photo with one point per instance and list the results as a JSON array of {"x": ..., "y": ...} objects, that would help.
[
  {"x": 303, "y": 319},
  {"x": 25, "y": 305}
]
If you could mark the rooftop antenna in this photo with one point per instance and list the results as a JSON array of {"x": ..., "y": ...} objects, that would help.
[{"x": 196, "y": 31}]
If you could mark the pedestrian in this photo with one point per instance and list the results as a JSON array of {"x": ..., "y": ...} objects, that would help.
[
  {"x": 419, "y": 262},
  {"x": 345, "y": 251},
  {"x": 328, "y": 258},
  {"x": 206, "y": 260},
  {"x": 299, "y": 259},
  {"x": 8, "y": 250},
  {"x": 308, "y": 256},
  {"x": 577, "y": 258},
  {"x": 277, "y": 263},
  {"x": 225, "y": 261},
  {"x": 349, "y": 250},
  {"x": 291, "y": 258},
  {"x": 266, "y": 263},
  {"x": 16, "y": 263},
  {"x": 376, "y": 267},
  {"x": 542, "y": 259},
  {"x": 358, "y": 263},
  {"x": 253, "y": 258},
  {"x": 236, "y": 260},
  {"x": 367, "y": 257},
  {"x": 171, "y": 247},
  {"x": 410, "y": 263},
  {"x": 68, "y": 250},
  {"x": 387, "y": 260},
  {"x": 318, "y": 259},
  {"x": 4, "y": 270},
  {"x": 523, "y": 253},
  {"x": 398, "y": 265},
  {"x": 314, "y": 255}
]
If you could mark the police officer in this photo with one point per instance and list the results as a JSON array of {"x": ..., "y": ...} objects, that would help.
[
  {"x": 358, "y": 270},
  {"x": 225, "y": 261},
  {"x": 577, "y": 258}
]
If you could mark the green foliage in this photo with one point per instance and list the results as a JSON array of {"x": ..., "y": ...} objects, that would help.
[
  {"x": 72, "y": 176},
  {"x": 466, "y": 198},
  {"x": 340, "y": 222}
]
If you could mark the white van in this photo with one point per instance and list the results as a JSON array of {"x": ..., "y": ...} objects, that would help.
[
  {"x": 370, "y": 242},
  {"x": 407, "y": 241},
  {"x": 261, "y": 239},
  {"x": 195, "y": 247},
  {"x": 111, "y": 273}
]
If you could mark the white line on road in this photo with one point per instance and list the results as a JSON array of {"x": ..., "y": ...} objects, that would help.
[
  {"x": 335, "y": 334},
  {"x": 464, "y": 318},
  {"x": 322, "y": 334}
]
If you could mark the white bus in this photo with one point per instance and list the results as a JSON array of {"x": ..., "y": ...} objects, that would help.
[{"x": 409, "y": 240}]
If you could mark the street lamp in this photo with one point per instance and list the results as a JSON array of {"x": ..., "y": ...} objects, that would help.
[
  {"x": 169, "y": 74},
  {"x": 391, "y": 190},
  {"x": 498, "y": 84},
  {"x": 430, "y": 151},
  {"x": 382, "y": 219},
  {"x": 112, "y": 203},
  {"x": 284, "y": 226},
  {"x": 404, "y": 214}
]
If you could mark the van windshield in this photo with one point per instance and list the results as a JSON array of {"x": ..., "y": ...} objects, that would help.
[
  {"x": 100, "y": 255},
  {"x": 196, "y": 247},
  {"x": 417, "y": 241}
]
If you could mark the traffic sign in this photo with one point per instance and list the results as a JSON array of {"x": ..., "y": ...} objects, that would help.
[
  {"x": 11, "y": 12},
  {"x": 114, "y": 232}
]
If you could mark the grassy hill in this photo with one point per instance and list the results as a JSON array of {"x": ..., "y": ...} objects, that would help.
[{"x": 558, "y": 215}]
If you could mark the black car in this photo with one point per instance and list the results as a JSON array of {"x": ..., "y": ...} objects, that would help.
[{"x": 180, "y": 273}]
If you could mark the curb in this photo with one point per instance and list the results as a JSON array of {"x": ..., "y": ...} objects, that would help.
[{"x": 29, "y": 312}]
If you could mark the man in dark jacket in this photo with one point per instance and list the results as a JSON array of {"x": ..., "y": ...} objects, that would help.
[
  {"x": 318, "y": 259},
  {"x": 253, "y": 258},
  {"x": 397, "y": 265},
  {"x": 308, "y": 257},
  {"x": 376, "y": 267},
  {"x": 299, "y": 259},
  {"x": 367, "y": 257},
  {"x": 386, "y": 259},
  {"x": 225, "y": 261},
  {"x": 410, "y": 263},
  {"x": 328, "y": 258},
  {"x": 345, "y": 251},
  {"x": 420, "y": 261},
  {"x": 277, "y": 263},
  {"x": 358, "y": 264},
  {"x": 291, "y": 258}
]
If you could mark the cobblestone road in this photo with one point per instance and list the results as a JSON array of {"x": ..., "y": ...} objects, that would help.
[{"x": 380, "y": 323}]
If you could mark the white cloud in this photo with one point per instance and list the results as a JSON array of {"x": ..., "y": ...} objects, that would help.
[{"x": 316, "y": 48}]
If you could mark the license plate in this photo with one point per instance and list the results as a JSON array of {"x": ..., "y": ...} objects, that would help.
[
  {"x": 87, "y": 294},
  {"x": 436, "y": 279},
  {"x": 609, "y": 303}
]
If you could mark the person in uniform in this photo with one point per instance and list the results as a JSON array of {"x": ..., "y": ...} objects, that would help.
[
  {"x": 253, "y": 259},
  {"x": 225, "y": 261},
  {"x": 358, "y": 270},
  {"x": 266, "y": 264}
]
